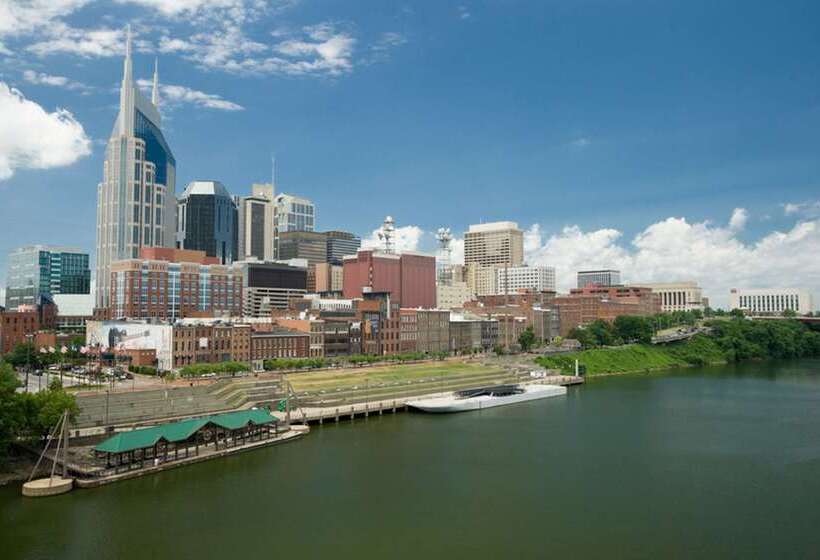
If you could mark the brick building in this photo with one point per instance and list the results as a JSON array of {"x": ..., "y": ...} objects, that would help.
[
  {"x": 424, "y": 330},
  {"x": 585, "y": 305},
  {"x": 171, "y": 284},
  {"x": 279, "y": 343},
  {"x": 410, "y": 278},
  {"x": 21, "y": 325},
  {"x": 313, "y": 327}
]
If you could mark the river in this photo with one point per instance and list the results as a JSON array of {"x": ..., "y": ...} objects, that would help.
[{"x": 710, "y": 462}]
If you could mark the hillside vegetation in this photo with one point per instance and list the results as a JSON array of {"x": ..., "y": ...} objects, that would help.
[{"x": 730, "y": 341}]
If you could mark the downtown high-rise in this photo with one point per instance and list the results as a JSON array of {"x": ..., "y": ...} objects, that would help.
[{"x": 136, "y": 205}]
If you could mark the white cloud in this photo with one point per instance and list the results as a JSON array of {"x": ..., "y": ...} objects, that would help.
[
  {"x": 171, "y": 95},
  {"x": 406, "y": 238},
  {"x": 389, "y": 40},
  {"x": 323, "y": 50},
  {"x": 31, "y": 138},
  {"x": 810, "y": 209},
  {"x": 581, "y": 142},
  {"x": 738, "y": 220},
  {"x": 674, "y": 249},
  {"x": 39, "y": 78},
  {"x": 671, "y": 250},
  {"x": 4, "y": 50},
  {"x": 463, "y": 12},
  {"x": 317, "y": 50},
  {"x": 86, "y": 43},
  {"x": 19, "y": 17}
]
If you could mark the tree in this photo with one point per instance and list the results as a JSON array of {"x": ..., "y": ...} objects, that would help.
[
  {"x": 24, "y": 354},
  {"x": 790, "y": 313},
  {"x": 11, "y": 416},
  {"x": 633, "y": 329},
  {"x": 44, "y": 409},
  {"x": 527, "y": 339},
  {"x": 602, "y": 333},
  {"x": 583, "y": 336},
  {"x": 736, "y": 313}
]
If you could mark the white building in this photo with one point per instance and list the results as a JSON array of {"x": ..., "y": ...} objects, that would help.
[
  {"x": 136, "y": 205},
  {"x": 678, "y": 296},
  {"x": 599, "y": 278},
  {"x": 294, "y": 213},
  {"x": 510, "y": 280},
  {"x": 453, "y": 295},
  {"x": 771, "y": 301}
]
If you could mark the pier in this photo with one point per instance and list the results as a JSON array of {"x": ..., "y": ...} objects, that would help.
[{"x": 337, "y": 413}]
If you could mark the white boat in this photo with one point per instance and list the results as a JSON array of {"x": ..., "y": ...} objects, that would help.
[{"x": 487, "y": 397}]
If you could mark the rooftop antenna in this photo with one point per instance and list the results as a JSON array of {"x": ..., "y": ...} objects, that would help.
[
  {"x": 386, "y": 234},
  {"x": 273, "y": 171},
  {"x": 444, "y": 238}
]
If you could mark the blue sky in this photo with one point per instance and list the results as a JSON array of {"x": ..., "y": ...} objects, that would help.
[{"x": 587, "y": 121}]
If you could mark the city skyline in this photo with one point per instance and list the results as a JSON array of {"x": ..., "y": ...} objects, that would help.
[{"x": 743, "y": 216}]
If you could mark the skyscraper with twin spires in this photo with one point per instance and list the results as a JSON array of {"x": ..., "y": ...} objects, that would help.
[{"x": 136, "y": 204}]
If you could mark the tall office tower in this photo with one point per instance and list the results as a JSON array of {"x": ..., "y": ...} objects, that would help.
[
  {"x": 207, "y": 220},
  {"x": 294, "y": 213},
  {"x": 257, "y": 214},
  {"x": 39, "y": 269},
  {"x": 497, "y": 243},
  {"x": 599, "y": 278},
  {"x": 136, "y": 206},
  {"x": 341, "y": 244}
]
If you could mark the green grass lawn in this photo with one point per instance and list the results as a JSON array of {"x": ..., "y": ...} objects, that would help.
[
  {"x": 636, "y": 357},
  {"x": 310, "y": 381}
]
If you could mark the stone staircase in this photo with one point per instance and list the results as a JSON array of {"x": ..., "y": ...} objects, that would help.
[{"x": 136, "y": 407}]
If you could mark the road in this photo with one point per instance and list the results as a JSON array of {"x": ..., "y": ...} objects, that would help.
[{"x": 40, "y": 382}]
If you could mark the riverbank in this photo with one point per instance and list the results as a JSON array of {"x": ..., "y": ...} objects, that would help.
[
  {"x": 632, "y": 358},
  {"x": 729, "y": 341}
]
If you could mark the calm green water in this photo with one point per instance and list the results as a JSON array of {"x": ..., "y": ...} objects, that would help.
[{"x": 713, "y": 463}]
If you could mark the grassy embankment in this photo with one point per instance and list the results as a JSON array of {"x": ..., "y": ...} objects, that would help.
[
  {"x": 700, "y": 350},
  {"x": 735, "y": 340}
]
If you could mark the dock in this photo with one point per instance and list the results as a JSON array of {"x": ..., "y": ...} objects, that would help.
[{"x": 320, "y": 415}]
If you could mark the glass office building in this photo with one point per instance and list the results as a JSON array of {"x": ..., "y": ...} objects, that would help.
[
  {"x": 341, "y": 244},
  {"x": 40, "y": 270},
  {"x": 136, "y": 206},
  {"x": 207, "y": 220}
]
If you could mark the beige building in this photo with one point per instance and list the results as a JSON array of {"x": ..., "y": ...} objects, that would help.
[
  {"x": 453, "y": 296},
  {"x": 678, "y": 296},
  {"x": 496, "y": 243},
  {"x": 329, "y": 277},
  {"x": 482, "y": 280},
  {"x": 255, "y": 228}
]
